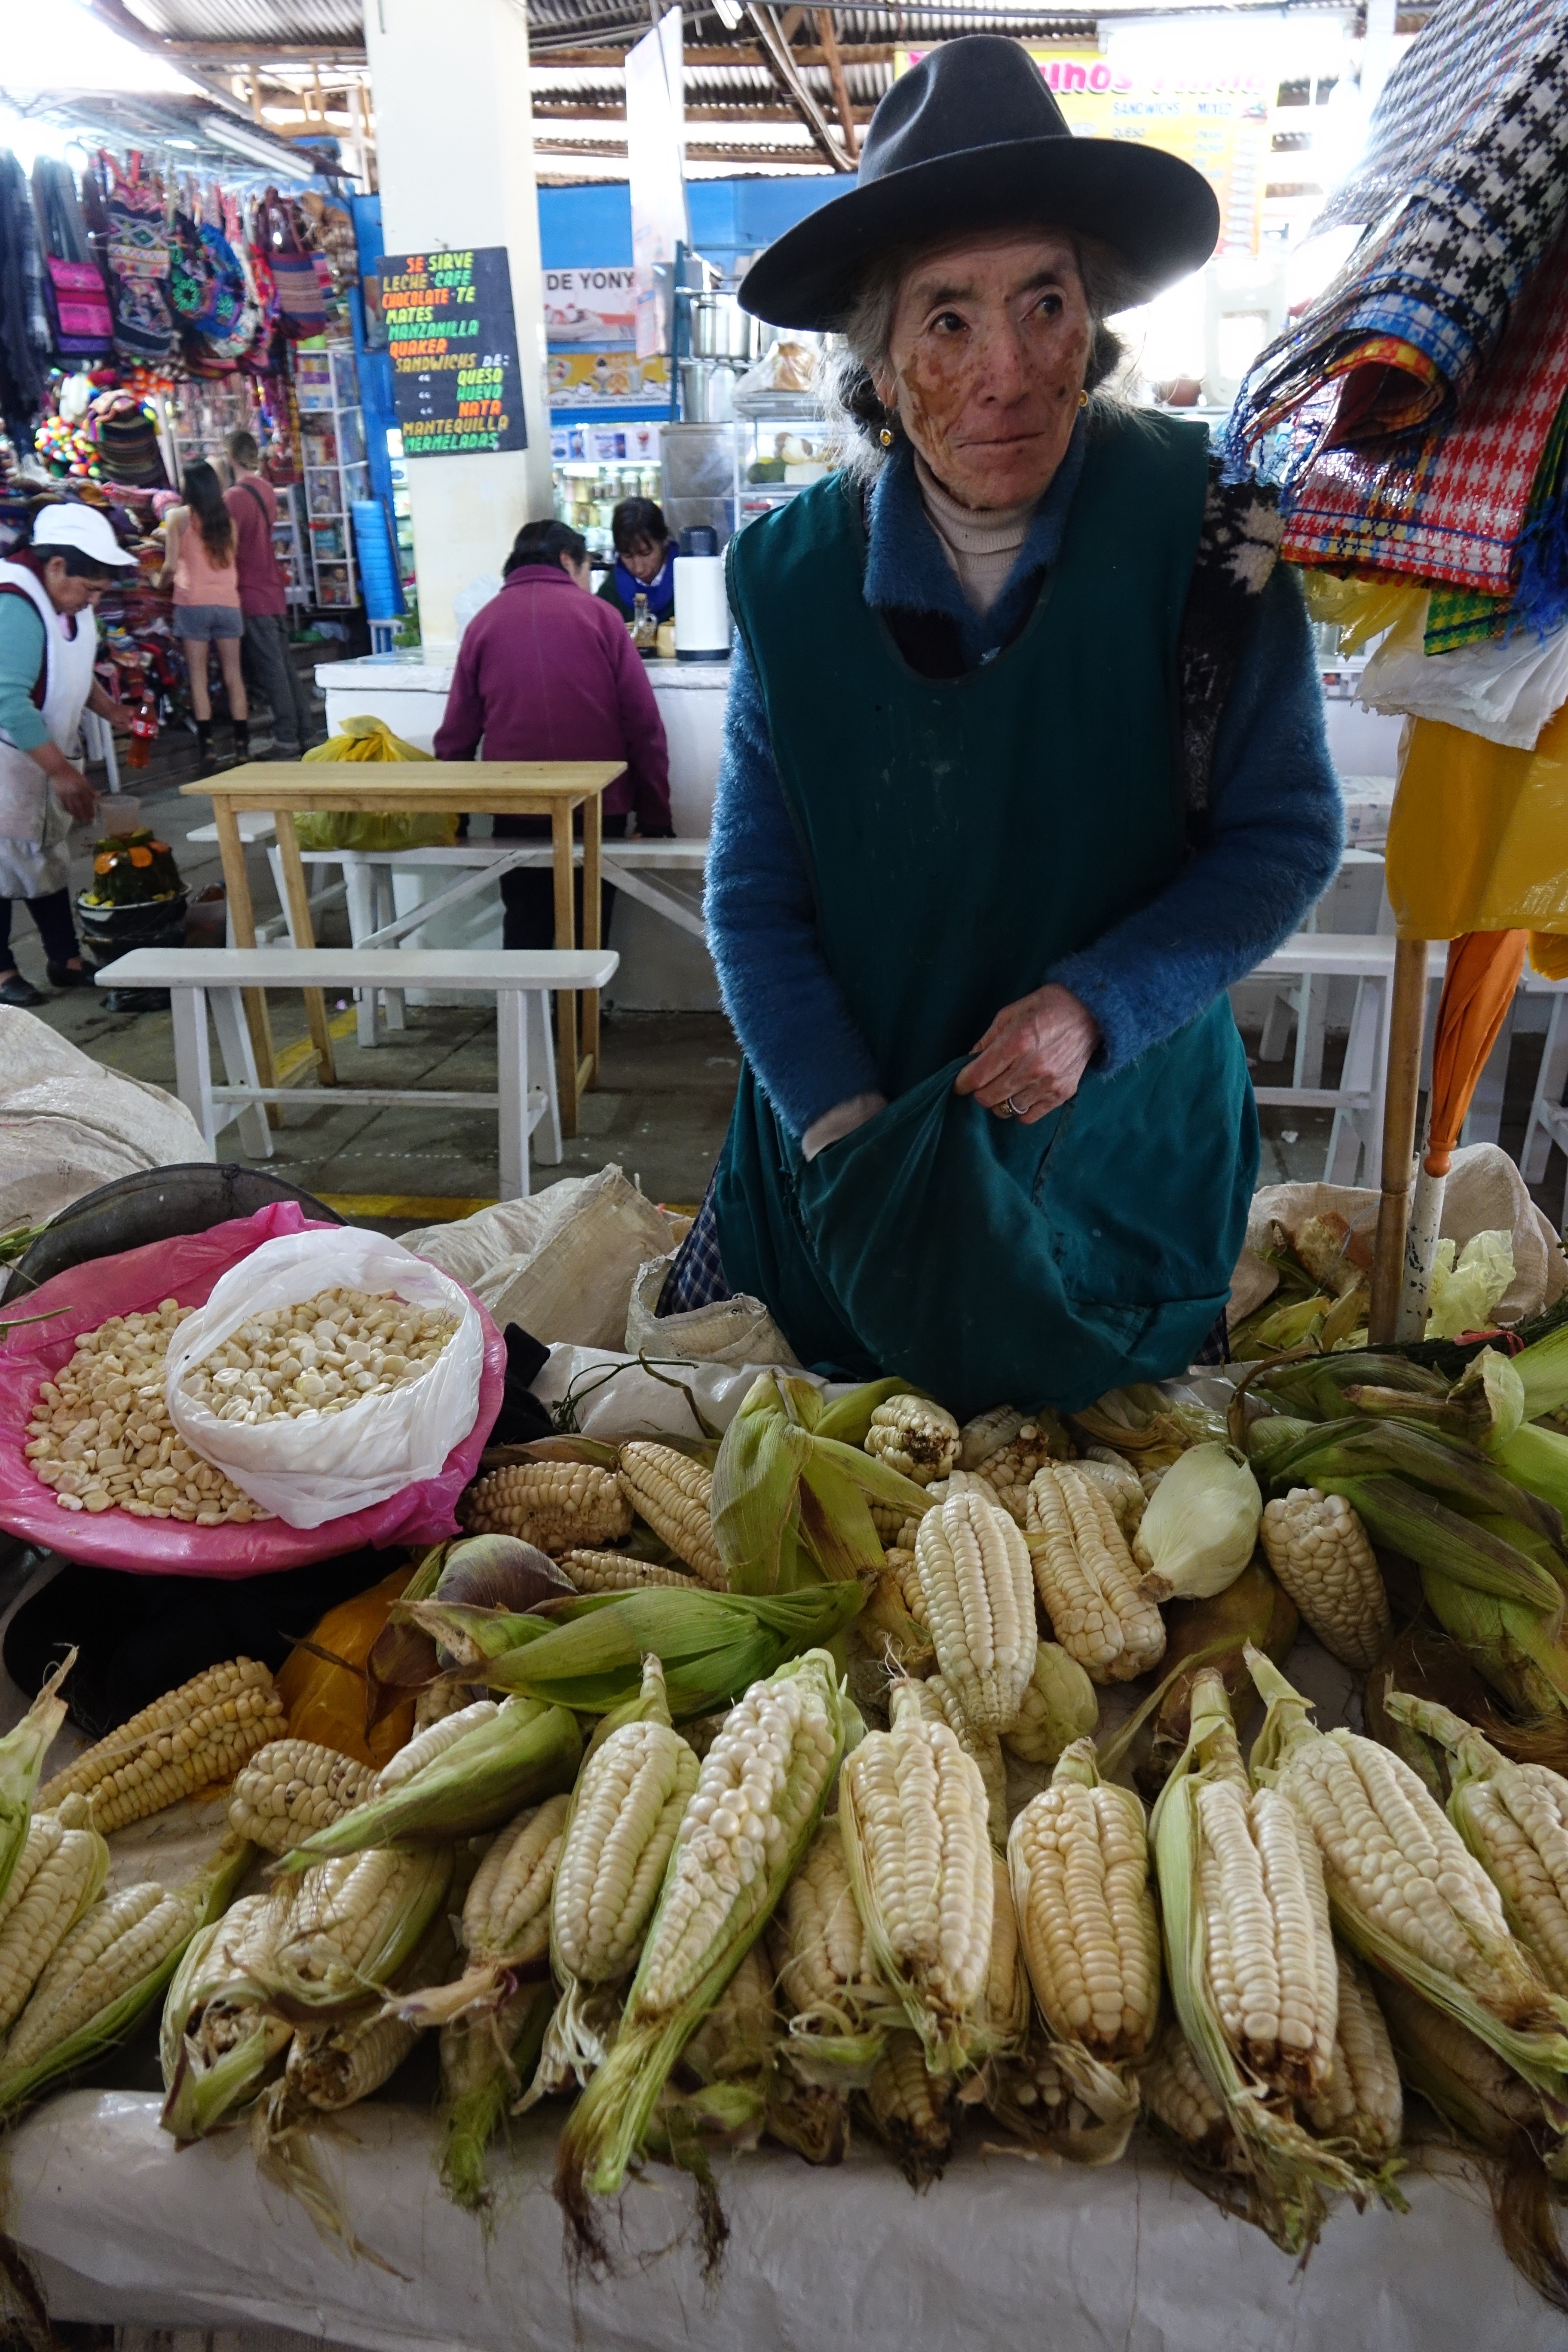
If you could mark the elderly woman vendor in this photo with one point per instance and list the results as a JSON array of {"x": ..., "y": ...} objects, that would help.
[{"x": 1025, "y": 765}]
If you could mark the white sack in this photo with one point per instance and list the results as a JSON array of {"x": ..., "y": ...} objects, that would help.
[
  {"x": 322, "y": 1465},
  {"x": 1486, "y": 1193},
  {"x": 68, "y": 1124},
  {"x": 612, "y": 1396},
  {"x": 738, "y": 1330},
  {"x": 561, "y": 1263},
  {"x": 1504, "y": 689}
]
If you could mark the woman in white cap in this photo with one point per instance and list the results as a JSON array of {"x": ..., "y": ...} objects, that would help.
[
  {"x": 49, "y": 640},
  {"x": 1024, "y": 765}
]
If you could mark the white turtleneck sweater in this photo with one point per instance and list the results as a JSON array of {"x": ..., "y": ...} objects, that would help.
[{"x": 980, "y": 543}]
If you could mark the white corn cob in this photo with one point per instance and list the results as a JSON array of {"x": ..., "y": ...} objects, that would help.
[
  {"x": 1123, "y": 1487},
  {"x": 291, "y": 1789},
  {"x": 629, "y": 1803},
  {"x": 346, "y": 2063},
  {"x": 618, "y": 1571},
  {"x": 904, "y": 1569},
  {"x": 194, "y": 1738},
  {"x": 1086, "y": 1577},
  {"x": 53, "y": 1899},
  {"x": 987, "y": 1434},
  {"x": 357, "y": 1921},
  {"x": 1319, "y": 1551},
  {"x": 45, "y": 1831},
  {"x": 1079, "y": 1857},
  {"x": 938, "y": 1702},
  {"x": 1010, "y": 1472},
  {"x": 913, "y": 1810},
  {"x": 827, "y": 1969},
  {"x": 1005, "y": 1999},
  {"x": 1177, "y": 2095},
  {"x": 1360, "y": 2100},
  {"x": 433, "y": 1741},
  {"x": 759, "y": 1794},
  {"x": 913, "y": 2109},
  {"x": 1269, "y": 1948},
  {"x": 915, "y": 1437},
  {"x": 553, "y": 1505},
  {"x": 117, "y": 1942},
  {"x": 978, "y": 1587},
  {"x": 1514, "y": 1820},
  {"x": 1059, "y": 1706},
  {"x": 675, "y": 1495}
]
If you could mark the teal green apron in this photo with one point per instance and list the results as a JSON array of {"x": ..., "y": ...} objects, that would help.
[{"x": 963, "y": 835}]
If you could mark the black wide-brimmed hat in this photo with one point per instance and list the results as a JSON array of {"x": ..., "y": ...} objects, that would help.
[{"x": 971, "y": 139}]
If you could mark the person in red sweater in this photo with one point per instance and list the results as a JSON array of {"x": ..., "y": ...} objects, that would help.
[
  {"x": 547, "y": 671},
  {"x": 252, "y": 506}
]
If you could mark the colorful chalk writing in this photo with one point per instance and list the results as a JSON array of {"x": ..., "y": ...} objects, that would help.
[{"x": 452, "y": 340}]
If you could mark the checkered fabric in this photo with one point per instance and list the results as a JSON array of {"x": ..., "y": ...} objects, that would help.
[
  {"x": 1467, "y": 190},
  {"x": 697, "y": 1277},
  {"x": 1450, "y": 504}
]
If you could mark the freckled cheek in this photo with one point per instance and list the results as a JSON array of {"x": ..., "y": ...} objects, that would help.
[{"x": 937, "y": 387}]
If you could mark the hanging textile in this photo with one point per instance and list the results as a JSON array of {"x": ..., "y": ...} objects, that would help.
[
  {"x": 301, "y": 307},
  {"x": 1478, "y": 838},
  {"x": 1474, "y": 503},
  {"x": 138, "y": 260},
  {"x": 24, "y": 322},
  {"x": 1467, "y": 189},
  {"x": 82, "y": 325}
]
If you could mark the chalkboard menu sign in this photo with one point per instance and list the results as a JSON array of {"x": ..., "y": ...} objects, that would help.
[{"x": 453, "y": 343}]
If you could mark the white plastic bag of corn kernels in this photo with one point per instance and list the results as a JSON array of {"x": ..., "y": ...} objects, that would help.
[{"x": 318, "y": 1465}]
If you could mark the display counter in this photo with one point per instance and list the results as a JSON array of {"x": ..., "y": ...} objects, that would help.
[
  {"x": 123, "y": 2228},
  {"x": 662, "y": 969}
]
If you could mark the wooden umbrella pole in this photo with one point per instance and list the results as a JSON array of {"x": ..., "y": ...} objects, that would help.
[{"x": 1406, "y": 1020}]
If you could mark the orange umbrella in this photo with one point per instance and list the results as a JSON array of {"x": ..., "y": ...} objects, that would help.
[{"x": 1484, "y": 969}]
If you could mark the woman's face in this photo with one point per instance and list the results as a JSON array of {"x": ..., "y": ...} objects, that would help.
[
  {"x": 989, "y": 348},
  {"x": 68, "y": 593},
  {"x": 646, "y": 560}
]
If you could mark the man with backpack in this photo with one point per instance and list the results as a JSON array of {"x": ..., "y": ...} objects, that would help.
[{"x": 253, "y": 506}]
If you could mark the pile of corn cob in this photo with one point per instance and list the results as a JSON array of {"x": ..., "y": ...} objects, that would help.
[{"x": 705, "y": 1896}]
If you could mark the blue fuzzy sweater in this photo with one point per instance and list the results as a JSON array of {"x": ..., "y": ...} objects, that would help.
[{"x": 1273, "y": 848}]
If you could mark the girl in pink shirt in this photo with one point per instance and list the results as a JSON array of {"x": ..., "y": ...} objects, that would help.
[{"x": 199, "y": 559}]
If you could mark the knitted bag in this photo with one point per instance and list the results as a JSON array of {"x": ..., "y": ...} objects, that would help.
[
  {"x": 84, "y": 321},
  {"x": 300, "y": 304},
  {"x": 138, "y": 260}
]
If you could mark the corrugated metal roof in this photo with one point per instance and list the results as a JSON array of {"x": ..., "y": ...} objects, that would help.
[{"x": 333, "y": 22}]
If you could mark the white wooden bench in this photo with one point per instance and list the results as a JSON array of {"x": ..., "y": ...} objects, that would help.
[
  {"x": 521, "y": 980},
  {"x": 1355, "y": 1140}
]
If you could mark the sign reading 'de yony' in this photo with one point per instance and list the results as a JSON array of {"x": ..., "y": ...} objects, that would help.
[{"x": 453, "y": 344}]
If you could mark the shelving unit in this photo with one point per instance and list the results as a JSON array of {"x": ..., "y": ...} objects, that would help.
[
  {"x": 332, "y": 436},
  {"x": 289, "y": 545},
  {"x": 758, "y": 434},
  {"x": 588, "y": 490}
]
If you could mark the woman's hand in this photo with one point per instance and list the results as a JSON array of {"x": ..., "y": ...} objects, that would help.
[{"x": 1032, "y": 1057}]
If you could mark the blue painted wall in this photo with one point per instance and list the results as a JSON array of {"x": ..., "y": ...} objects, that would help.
[{"x": 591, "y": 227}]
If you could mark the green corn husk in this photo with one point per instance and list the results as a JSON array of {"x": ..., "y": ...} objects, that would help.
[
  {"x": 712, "y": 1646},
  {"x": 219, "y": 2046},
  {"x": 1315, "y": 1388},
  {"x": 607, "y": 2126},
  {"x": 1543, "y": 1370},
  {"x": 1292, "y": 2176},
  {"x": 1512, "y": 1647},
  {"x": 486, "y": 2061},
  {"x": 1537, "y": 1460},
  {"x": 22, "y": 1753},
  {"x": 1460, "y": 1548},
  {"x": 527, "y": 1752},
  {"x": 1449, "y": 1469},
  {"x": 1534, "y": 2040},
  {"x": 208, "y": 1895},
  {"x": 308, "y": 1980}
]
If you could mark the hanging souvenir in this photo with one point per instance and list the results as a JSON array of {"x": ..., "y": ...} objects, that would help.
[
  {"x": 138, "y": 258},
  {"x": 301, "y": 307},
  {"x": 239, "y": 340}
]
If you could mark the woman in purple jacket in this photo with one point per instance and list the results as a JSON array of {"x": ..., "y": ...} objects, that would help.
[{"x": 547, "y": 671}]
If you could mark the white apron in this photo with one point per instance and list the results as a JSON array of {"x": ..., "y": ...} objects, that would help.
[{"x": 34, "y": 830}]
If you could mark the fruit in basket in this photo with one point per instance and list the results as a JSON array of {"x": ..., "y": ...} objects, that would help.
[
  {"x": 1318, "y": 1549},
  {"x": 558, "y": 1506},
  {"x": 978, "y": 1591},
  {"x": 915, "y": 1437},
  {"x": 1088, "y": 1583},
  {"x": 191, "y": 1738},
  {"x": 291, "y": 1789},
  {"x": 675, "y": 1495},
  {"x": 759, "y": 1791},
  {"x": 101, "y": 1437},
  {"x": 914, "y": 1815}
]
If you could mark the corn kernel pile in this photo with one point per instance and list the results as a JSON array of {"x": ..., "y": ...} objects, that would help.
[
  {"x": 101, "y": 1437},
  {"x": 318, "y": 1357}
]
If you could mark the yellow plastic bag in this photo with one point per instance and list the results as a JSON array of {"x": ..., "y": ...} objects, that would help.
[
  {"x": 1361, "y": 609},
  {"x": 1478, "y": 838},
  {"x": 326, "y": 1702},
  {"x": 361, "y": 741}
]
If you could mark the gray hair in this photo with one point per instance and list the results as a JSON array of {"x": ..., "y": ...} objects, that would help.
[{"x": 854, "y": 406}]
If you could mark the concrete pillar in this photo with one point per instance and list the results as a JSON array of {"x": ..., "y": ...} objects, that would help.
[{"x": 454, "y": 158}]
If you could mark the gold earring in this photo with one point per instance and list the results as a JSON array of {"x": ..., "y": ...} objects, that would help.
[
  {"x": 1083, "y": 400},
  {"x": 886, "y": 437}
]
